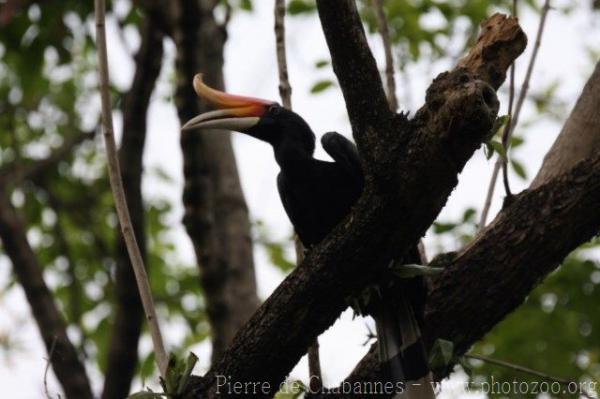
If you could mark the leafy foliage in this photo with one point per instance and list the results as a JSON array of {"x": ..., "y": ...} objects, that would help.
[
  {"x": 555, "y": 331},
  {"x": 176, "y": 379},
  {"x": 47, "y": 96},
  {"x": 47, "y": 86}
]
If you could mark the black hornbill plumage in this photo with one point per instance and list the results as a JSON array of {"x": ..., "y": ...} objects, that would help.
[{"x": 317, "y": 195}]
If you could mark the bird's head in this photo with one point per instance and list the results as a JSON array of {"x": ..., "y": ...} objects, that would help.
[{"x": 263, "y": 119}]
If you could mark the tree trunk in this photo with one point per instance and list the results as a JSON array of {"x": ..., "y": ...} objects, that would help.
[
  {"x": 579, "y": 138},
  {"x": 216, "y": 215},
  {"x": 67, "y": 365}
]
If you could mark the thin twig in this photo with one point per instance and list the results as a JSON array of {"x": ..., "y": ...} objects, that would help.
[
  {"x": 48, "y": 362},
  {"x": 384, "y": 32},
  {"x": 228, "y": 14},
  {"x": 119, "y": 195},
  {"x": 488, "y": 198},
  {"x": 315, "y": 376},
  {"x": 285, "y": 91},
  {"x": 527, "y": 370},
  {"x": 315, "y": 381},
  {"x": 494, "y": 177},
  {"x": 505, "y": 133},
  {"x": 512, "y": 123}
]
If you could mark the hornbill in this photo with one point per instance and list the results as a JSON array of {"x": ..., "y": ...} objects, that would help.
[{"x": 316, "y": 196}]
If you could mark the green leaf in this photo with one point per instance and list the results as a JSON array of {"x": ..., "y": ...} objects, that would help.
[
  {"x": 147, "y": 395},
  {"x": 440, "y": 228},
  {"x": 441, "y": 354},
  {"x": 321, "y": 86},
  {"x": 147, "y": 367},
  {"x": 246, "y": 5},
  {"x": 321, "y": 64},
  {"x": 469, "y": 214},
  {"x": 519, "y": 169},
  {"x": 296, "y": 7},
  {"x": 278, "y": 257},
  {"x": 516, "y": 141},
  {"x": 291, "y": 390},
  {"x": 499, "y": 124},
  {"x": 173, "y": 373},
  {"x": 498, "y": 147},
  {"x": 465, "y": 366},
  {"x": 190, "y": 362}
]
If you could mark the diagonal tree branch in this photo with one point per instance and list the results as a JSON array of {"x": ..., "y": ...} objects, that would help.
[
  {"x": 578, "y": 141},
  {"x": 119, "y": 194},
  {"x": 127, "y": 322},
  {"x": 357, "y": 72},
  {"x": 580, "y": 136},
  {"x": 67, "y": 366},
  {"x": 423, "y": 156},
  {"x": 512, "y": 256}
]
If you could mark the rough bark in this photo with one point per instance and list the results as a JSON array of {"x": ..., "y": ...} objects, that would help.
[
  {"x": 523, "y": 244},
  {"x": 128, "y": 316},
  {"x": 513, "y": 255},
  {"x": 423, "y": 156},
  {"x": 67, "y": 366},
  {"x": 580, "y": 136},
  {"x": 578, "y": 141},
  {"x": 216, "y": 215},
  {"x": 358, "y": 75}
]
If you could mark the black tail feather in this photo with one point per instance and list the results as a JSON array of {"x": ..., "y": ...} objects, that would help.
[{"x": 399, "y": 319}]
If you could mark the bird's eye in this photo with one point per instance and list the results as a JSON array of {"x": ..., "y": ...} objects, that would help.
[{"x": 275, "y": 109}]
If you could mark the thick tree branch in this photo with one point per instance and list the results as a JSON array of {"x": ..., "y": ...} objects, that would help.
[
  {"x": 512, "y": 256},
  {"x": 357, "y": 72},
  {"x": 423, "y": 157},
  {"x": 580, "y": 136},
  {"x": 67, "y": 366},
  {"x": 492, "y": 54},
  {"x": 216, "y": 216},
  {"x": 578, "y": 141},
  {"x": 127, "y": 322}
]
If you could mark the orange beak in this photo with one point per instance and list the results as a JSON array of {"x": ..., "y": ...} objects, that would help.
[{"x": 233, "y": 112}]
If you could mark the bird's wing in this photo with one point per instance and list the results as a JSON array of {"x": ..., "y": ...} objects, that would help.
[
  {"x": 295, "y": 208},
  {"x": 342, "y": 151}
]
